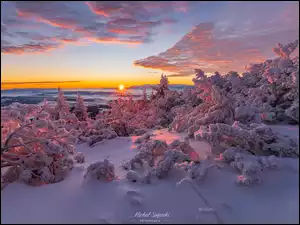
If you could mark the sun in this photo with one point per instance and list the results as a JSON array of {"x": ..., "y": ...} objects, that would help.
[{"x": 121, "y": 87}]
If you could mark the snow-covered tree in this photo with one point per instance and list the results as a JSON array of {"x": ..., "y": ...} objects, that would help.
[
  {"x": 287, "y": 50},
  {"x": 80, "y": 109},
  {"x": 145, "y": 98},
  {"x": 162, "y": 87},
  {"x": 62, "y": 106}
]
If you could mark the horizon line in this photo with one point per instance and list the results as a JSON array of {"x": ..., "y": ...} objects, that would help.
[
  {"x": 132, "y": 86},
  {"x": 39, "y": 82}
]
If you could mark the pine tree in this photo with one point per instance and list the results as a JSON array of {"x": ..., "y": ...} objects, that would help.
[
  {"x": 62, "y": 106},
  {"x": 145, "y": 95},
  {"x": 162, "y": 87},
  {"x": 80, "y": 109}
]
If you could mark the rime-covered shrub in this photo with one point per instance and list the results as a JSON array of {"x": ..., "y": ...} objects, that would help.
[
  {"x": 39, "y": 150},
  {"x": 149, "y": 150},
  {"x": 144, "y": 156},
  {"x": 102, "y": 170},
  {"x": 268, "y": 93},
  {"x": 167, "y": 163},
  {"x": 185, "y": 147},
  {"x": 229, "y": 154},
  {"x": 249, "y": 166},
  {"x": 128, "y": 117},
  {"x": 79, "y": 157},
  {"x": 196, "y": 171},
  {"x": 255, "y": 138},
  {"x": 293, "y": 111},
  {"x": 93, "y": 132},
  {"x": 159, "y": 157}
]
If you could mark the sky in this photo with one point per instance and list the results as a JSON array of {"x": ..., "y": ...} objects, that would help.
[{"x": 106, "y": 43}]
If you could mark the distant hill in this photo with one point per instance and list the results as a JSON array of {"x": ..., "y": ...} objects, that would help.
[{"x": 179, "y": 86}]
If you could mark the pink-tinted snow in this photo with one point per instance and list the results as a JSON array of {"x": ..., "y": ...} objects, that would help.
[{"x": 215, "y": 200}]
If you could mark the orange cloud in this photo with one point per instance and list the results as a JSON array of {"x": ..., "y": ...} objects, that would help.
[
  {"x": 56, "y": 23},
  {"x": 123, "y": 31},
  {"x": 96, "y": 10},
  {"x": 203, "y": 49},
  {"x": 114, "y": 40}
]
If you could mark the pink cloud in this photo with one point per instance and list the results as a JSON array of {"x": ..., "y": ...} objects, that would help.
[
  {"x": 201, "y": 48},
  {"x": 63, "y": 23},
  {"x": 121, "y": 22},
  {"x": 96, "y": 10},
  {"x": 29, "y": 48}
]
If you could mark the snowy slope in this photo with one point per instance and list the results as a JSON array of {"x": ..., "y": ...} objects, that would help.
[{"x": 216, "y": 200}]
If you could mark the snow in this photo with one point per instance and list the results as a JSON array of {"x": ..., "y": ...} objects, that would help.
[
  {"x": 201, "y": 147},
  {"x": 217, "y": 199},
  {"x": 288, "y": 130}
]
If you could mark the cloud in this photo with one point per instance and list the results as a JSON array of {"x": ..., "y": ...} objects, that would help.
[
  {"x": 53, "y": 24},
  {"x": 28, "y": 48},
  {"x": 41, "y": 82},
  {"x": 141, "y": 10},
  {"x": 225, "y": 45}
]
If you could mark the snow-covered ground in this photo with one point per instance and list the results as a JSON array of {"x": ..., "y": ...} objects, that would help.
[{"x": 216, "y": 200}]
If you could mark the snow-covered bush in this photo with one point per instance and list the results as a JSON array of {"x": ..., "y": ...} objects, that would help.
[
  {"x": 167, "y": 163},
  {"x": 268, "y": 92},
  {"x": 129, "y": 117},
  {"x": 103, "y": 170},
  {"x": 34, "y": 148},
  {"x": 149, "y": 150},
  {"x": 158, "y": 159},
  {"x": 144, "y": 156},
  {"x": 195, "y": 171},
  {"x": 229, "y": 154},
  {"x": 293, "y": 110},
  {"x": 92, "y": 131},
  {"x": 160, "y": 170},
  {"x": 79, "y": 157},
  {"x": 249, "y": 166},
  {"x": 258, "y": 139},
  {"x": 185, "y": 147}
]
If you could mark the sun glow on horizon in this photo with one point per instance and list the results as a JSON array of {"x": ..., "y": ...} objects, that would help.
[
  {"x": 121, "y": 87},
  {"x": 104, "y": 83}
]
